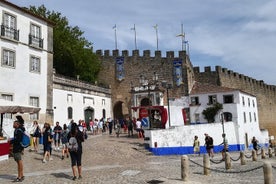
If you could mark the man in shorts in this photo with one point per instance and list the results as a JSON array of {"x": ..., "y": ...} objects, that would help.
[{"x": 17, "y": 148}]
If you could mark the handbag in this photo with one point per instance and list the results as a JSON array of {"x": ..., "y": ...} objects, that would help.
[{"x": 50, "y": 139}]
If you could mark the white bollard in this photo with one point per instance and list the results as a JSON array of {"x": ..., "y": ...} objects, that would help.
[
  {"x": 206, "y": 164},
  {"x": 268, "y": 177},
  {"x": 185, "y": 168}
]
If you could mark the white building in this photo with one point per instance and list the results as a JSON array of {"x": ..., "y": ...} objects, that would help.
[
  {"x": 75, "y": 100},
  {"x": 26, "y": 60},
  {"x": 240, "y": 123}
]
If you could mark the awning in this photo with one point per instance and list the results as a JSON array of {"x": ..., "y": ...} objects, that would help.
[{"x": 11, "y": 107}]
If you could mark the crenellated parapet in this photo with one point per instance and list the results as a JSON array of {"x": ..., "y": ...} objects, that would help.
[
  {"x": 234, "y": 79},
  {"x": 136, "y": 53}
]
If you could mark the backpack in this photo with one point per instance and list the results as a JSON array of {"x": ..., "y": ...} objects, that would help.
[
  {"x": 73, "y": 144},
  {"x": 25, "y": 142}
]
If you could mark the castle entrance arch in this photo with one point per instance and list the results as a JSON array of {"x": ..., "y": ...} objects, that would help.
[
  {"x": 118, "y": 110},
  {"x": 89, "y": 114}
]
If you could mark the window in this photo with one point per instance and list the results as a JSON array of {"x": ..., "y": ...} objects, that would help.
[
  {"x": 35, "y": 36},
  {"x": 212, "y": 99},
  {"x": 35, "y": 64},
  {"x": 250, "y": 117},
  {"x": 88, "y": 100},
  {"x": 70, "y": 113},
  {"x": 8, "y": 28},
  {"x": 228, "y": 99},
  {"x": 255, "y": 118},
  {"x": 9, "y": 98},
  {"x": 227, "y": 116},
  {"x": 243, "y": 103},
  {"x": 34, "y": 101},
  {"x": 103, "y": 101},
  {"x": 8, "y": 58},
  {"x": 248, "y": 102},
  {"x": 69, "y": 98},
  {"x": 253, "y": 103},
  {"x": 195, "y": 100},
  {"x": 244, "y": 117}
]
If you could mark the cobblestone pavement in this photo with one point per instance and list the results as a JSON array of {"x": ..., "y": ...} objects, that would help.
[{"x": 111, "y": 160}]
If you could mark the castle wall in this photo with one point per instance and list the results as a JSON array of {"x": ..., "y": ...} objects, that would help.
[
  {"x": 136, "y": 65},
  {"x": 266, "y": 94}
]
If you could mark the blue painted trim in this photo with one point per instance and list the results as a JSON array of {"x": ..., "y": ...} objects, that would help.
[{"x": 190, "y": 150}]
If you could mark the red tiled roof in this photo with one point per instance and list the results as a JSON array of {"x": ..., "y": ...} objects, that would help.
[{"x": 201, "y": 88}]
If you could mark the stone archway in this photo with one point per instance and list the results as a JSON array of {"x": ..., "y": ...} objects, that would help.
[{"x": 118, "y": 110}]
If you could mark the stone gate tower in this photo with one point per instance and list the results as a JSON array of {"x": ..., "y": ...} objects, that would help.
[{"x": 123, "y": 73}]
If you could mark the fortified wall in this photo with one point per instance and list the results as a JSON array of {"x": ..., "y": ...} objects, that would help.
[
  {"x": 136, "y": 65},
  {"x": 266, "y": 94}
]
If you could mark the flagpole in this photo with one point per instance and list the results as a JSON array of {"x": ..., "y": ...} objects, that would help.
[
  {"x": 115, "y": 31},
  {"x": 135, "y": 43},
  {"x": 156, "y": 32},
  {"x": 182, "y": 35}
]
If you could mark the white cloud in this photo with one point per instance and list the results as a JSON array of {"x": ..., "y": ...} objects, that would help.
[{"x": 238, "y": 35}]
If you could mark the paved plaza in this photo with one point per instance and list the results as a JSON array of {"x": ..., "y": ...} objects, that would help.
[{"x": 111, "y": 160}]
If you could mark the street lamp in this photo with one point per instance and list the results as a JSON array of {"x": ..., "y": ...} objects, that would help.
[
  {"x": 168, "y": 86},
  {"x": 222, "y": 122}
]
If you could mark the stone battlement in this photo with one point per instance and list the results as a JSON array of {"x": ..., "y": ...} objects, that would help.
[
  {"x": 235, "y": 76},
  {"x": 135, "y": 53}
]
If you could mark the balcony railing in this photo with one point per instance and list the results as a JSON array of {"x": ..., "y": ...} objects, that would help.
[
  {"x": 9, "y": 32},
  {"x": 35, "y": 41}
]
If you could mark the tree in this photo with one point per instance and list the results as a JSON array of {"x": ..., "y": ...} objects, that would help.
[
  {"x": 210, "y": 112},
  {"x": 73, "y": 54}
]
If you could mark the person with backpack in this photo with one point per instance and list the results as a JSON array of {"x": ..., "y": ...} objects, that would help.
[
  {"x": 18, "y": 149},
  {"x": 75, "y": 139},
  {"x": 64, "y": 142}
]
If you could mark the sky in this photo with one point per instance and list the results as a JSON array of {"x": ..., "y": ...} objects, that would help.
[{"x": 239, "y": 35}]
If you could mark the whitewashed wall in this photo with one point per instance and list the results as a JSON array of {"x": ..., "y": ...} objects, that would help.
[
  {"x": 19, "y": 81},
  {"x": 61, "y": 104},
  {"x": 176, "y": 139}
]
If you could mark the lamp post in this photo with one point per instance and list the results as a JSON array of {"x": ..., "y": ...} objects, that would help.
[
  {"x": 168, "y": 86},
  {"x": 222, "y": 122}
]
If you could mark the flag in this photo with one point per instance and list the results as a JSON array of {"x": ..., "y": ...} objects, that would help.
[
  {"x": 155, "y": 26},
  {"x": 186, "y": 41},
  {"x": 114, "y": 27},
  {"x": 182, "y": 35}
]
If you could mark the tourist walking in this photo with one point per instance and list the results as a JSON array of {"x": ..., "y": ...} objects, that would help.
[
  {"x": 117, "y": 128},
  {"x": 209, "y": 144},
  {"x": 196, "y": 146},
  {"x": 47, "y": 142},
  {"x": 139, "y": 128},
  {"x": 129, "y": 123},
  {"x": 225, "y": 146},
  {"x": 57, "y": 132},
  {"x": 64, "y": 142},
  {"x": 18, "y": 149},
  {"x": 36, "y": 134},
  {"x": 255, "y": 143},
  {"x": 75, "y": 139}
]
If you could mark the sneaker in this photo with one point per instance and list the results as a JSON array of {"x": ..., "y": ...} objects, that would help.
[
  {"x": 51, "y": 159},
  {"x": 80, "y": 177},
  {"x": 74, "y": 178},
  {"x": 62, "y": 157},
  {"x": 18, "y": 180},
  {"x": 44, "y": 161}
]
